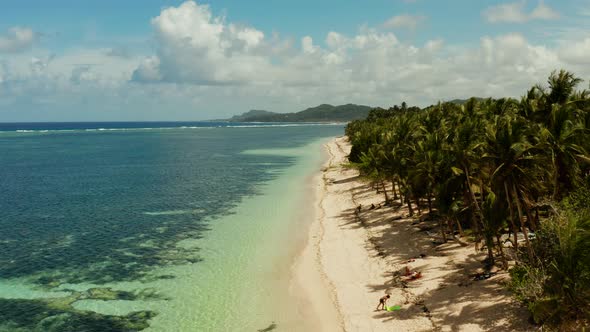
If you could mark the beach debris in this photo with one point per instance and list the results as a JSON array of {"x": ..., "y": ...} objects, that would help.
[
  {"x": 483, "y": 276},
  {"x": 414, "y": 258},
  {"x": 394, "y": 308}
]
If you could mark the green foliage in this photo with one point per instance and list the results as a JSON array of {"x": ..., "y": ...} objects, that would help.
[
  {"x": 556, "y": 285},
  {"x": 491, "y": 164}
]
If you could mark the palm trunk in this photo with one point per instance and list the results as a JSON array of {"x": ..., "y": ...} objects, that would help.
[
  {"x": 409, "y": 202},
  {"x": 502, "y": 256},
  {"x": 472, "y": 195},
  {"x": 556, "y": 170},
  {"x": 459, "y": 227},
  {"x": 512, "y": 225},
  {"x": 490, "y": 245},
  {"x": 410, "y": 207},
  {"x": 441, "y": 224},
  {"x": 522, "y": 224},
  {"x": 529, "y": 215},
  {"x": 406, "y": 198},
  {"x": 429, "y": 202},
  {"x": 394, "y": 192},
  {"x": 384, "y": 191},
  {"x": 477, "y": 208}
]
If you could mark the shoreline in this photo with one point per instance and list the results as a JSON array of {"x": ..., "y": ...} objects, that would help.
[
  {"x": 316, "y": 298},
  {"x": 352, "y": 259}
]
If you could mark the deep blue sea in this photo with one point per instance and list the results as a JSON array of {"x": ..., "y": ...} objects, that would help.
[{"x": 98, "y": 212}]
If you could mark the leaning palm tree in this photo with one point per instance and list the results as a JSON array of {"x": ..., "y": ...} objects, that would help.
[
  {"x": 464, "y": 145},
  {"x": 510, "y": 156},
  {"x": 494, "y": 211},
  {"x": 371, "y": 166}
]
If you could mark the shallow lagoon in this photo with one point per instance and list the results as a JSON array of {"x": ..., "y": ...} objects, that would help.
[{"x": 183, "y": 229}]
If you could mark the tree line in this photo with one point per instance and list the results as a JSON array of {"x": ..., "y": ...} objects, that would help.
[{"x": 513, "y": 174}]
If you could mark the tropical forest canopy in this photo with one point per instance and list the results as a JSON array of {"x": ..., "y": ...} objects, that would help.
[{"x": 503, "y": 171}]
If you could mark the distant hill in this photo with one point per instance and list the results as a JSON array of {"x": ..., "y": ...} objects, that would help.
[
  {"x": 463, "y": 101},
  {"x": 251, "y": 114},
  {"x": 321, "y": 113}
]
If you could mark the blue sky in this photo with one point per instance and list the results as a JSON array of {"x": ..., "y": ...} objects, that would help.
[{"x": 66, "y": 60}]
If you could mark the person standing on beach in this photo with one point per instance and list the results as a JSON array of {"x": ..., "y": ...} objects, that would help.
[{"x": 383, "y": 302}]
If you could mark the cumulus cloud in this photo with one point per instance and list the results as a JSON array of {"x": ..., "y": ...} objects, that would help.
[
  {"x": 307, "y": 45},
  {"x": 404, "y": 21},
  {"x": 203, "y": 62},
  {"x": 516, "y": 12},
  {"x": 17, "y": 39},
  {"x": 81, "y": 74},
  {"x": 544, "y": 12},
  {"x": 577, "y": 52},
  {"x": 196, "y": 47}
]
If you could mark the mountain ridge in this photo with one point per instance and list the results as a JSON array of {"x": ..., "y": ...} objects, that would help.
[{"x": 320, "y": 113}]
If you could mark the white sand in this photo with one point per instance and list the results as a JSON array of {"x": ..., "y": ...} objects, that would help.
[{"x": 351, "y": 259}]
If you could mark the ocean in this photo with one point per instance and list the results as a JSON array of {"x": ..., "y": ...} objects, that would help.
[{"x": 153, "y": 226}]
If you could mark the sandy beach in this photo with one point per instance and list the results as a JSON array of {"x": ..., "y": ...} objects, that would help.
[{"x": 352, "y": 259}]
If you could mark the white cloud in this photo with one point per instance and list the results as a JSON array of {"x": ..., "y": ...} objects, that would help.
[
  {"x": 206, "y": 67},
  {"x": 544, "y": 12},
  {"x": 371, "y": 67},
  {"x": 516, "y": 12},
  {"x": 196, "y": 47},
  {"x": 307, "y": 45},
  {"x": 17, "y": 39},
  {"x": 577, "y": 52},
  {"x": 404, "y": 21},
  {"x": 434, "y": 45},
  {"x": 82, "y": 74},
  {"x": 148, "y": 70}
]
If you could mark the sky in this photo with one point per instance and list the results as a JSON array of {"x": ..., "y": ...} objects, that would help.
[{"x": 148, "y": 60}]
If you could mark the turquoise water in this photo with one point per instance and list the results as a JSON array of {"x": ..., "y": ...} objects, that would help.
[{"x": 183, "y": 229}]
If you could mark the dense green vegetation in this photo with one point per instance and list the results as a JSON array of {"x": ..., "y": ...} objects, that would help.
[
  {"x": 321, "y": 113},
  {"x": 513, "y": 174}
]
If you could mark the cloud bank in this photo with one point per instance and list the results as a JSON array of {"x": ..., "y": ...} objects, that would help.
[
  {"x": 203, "y": 67},
  {"x": 515, "y": 12}
]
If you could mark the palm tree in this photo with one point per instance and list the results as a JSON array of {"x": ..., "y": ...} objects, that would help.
[
  {"x": 509, "y": 154},
  {"x": 561, "y": 137},
  {"x": 562, "y": 85}
]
